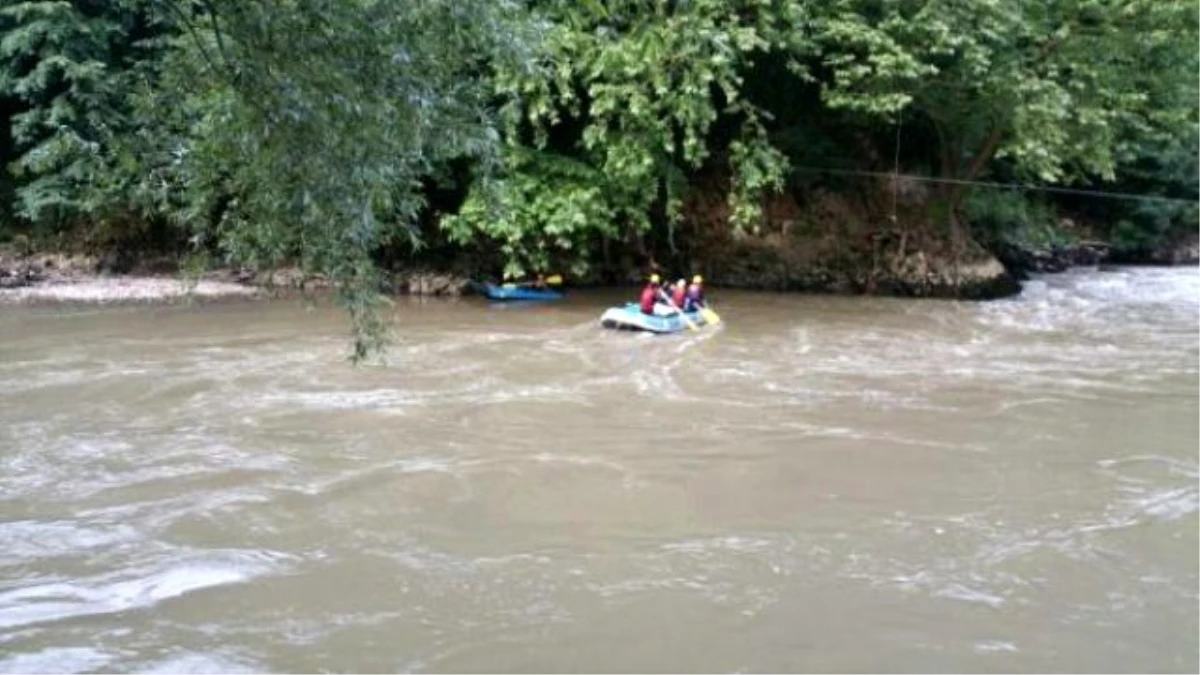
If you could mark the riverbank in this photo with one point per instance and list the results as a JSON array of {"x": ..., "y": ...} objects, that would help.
[
  {"x": 59, "y": 277},
  {"x": 770, "y": 261},
  {"x": 82, "y": 278}
]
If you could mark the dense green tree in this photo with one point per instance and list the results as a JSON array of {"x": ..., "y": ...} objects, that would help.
[
  {"x": 66, "y": 68},
  {"x": 619, "y": 108},
  {"x": 301, "y": 132},
  {"x": 630, "y": 99},
  {"x": 1160, "y": 202},
  {"x": 1060, "y": 89}
]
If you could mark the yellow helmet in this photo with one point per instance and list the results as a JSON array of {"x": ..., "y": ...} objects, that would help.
[
  {"x": 697, "y": 279},
  {"x": 654, "y": 279}
]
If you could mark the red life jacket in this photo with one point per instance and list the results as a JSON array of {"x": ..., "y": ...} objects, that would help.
[
  {"x": 679, "y": 296},
  {"x": 649, "y": 296}
]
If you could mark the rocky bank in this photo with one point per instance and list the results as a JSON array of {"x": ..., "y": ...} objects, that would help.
[
  {"x": 829, "y": 243},
  {"x": 60, "y": 277},
  {"x": 26, "y": 276},
  {"x": 833, "y": 243}
]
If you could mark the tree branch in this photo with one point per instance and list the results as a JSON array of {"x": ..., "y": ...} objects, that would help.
[{"x": 988, "y": 150}]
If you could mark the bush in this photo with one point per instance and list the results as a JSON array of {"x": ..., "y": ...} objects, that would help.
[{"x": 1004, "y": 215}]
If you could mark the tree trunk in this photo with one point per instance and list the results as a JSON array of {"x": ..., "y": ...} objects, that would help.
[{"x": 956, "y": 177}]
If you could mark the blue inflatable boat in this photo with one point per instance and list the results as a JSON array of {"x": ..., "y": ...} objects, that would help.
[
  {"x": 514, "y": 292},
  {"x": 630, "y": 317}
]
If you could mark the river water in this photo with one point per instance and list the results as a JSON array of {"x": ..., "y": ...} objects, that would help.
[{"x": 820, "y": 484}]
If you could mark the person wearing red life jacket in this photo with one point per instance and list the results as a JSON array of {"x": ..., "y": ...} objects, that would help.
[
  {"x": 679, "y": 293},
  {"x": 650, "y": 295}
]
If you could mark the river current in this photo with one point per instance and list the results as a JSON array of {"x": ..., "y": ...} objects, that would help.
[{"x": 819, "y": 484}]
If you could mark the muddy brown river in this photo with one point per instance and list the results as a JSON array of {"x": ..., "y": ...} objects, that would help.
[{"x": 820, "y": 484}]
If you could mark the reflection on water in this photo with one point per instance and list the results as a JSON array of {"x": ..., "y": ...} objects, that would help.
[{"x": 822, "y": 483}]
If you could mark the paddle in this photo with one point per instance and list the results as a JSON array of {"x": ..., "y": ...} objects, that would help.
[{"x": 671, "y": 303}]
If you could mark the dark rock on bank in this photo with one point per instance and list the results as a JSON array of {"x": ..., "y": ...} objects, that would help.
[
  {"x": 1024, "y": 259},
  {"x": 1185, "y": 251},
  {"x": 19, "y": 269}
]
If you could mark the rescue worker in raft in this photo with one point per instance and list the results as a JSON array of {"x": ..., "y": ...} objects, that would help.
[
  {"x": 694, "y": 299},
  {"x": 650, "y": 293},
  {"x": 678, "y": 293},
  {"x": 657, "y": 301}
]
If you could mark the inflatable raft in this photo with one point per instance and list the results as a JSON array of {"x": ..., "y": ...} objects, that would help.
[
  {"x": 630, "y": 317},
  {"x": 514, "y": 292}
]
